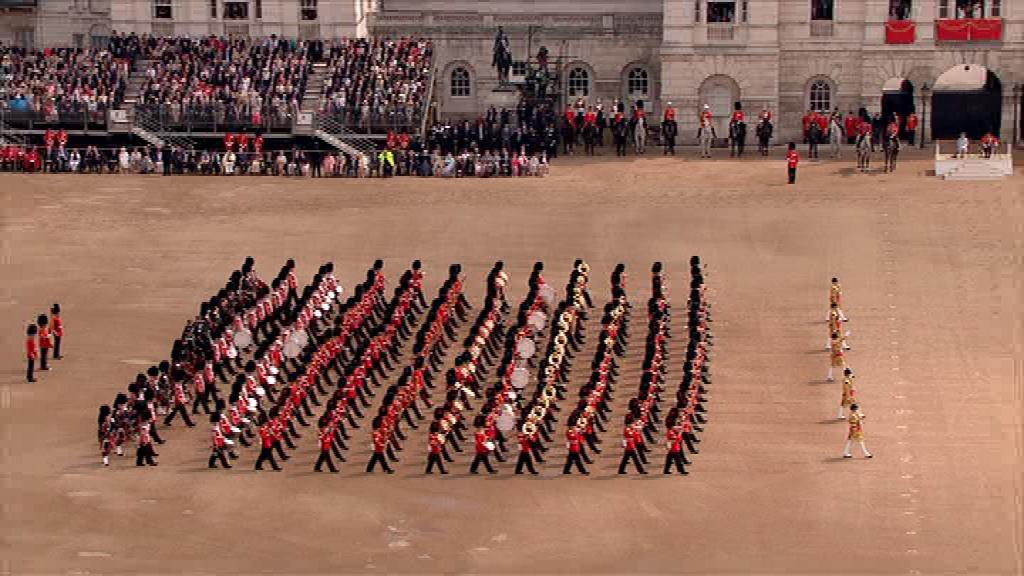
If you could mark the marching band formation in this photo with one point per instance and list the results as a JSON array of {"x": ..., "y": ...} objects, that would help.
[
  {"x": 838, "y": 346},
  {"x": 283, "y": 353}
]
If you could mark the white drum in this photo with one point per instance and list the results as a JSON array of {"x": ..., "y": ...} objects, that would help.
[
  {"x": 537, "y": 320},
  {"x": 526, "y": 348},
  {"x": 291, "y": 349},
  {"x": 520, "y": 378},
  {"x": 506, "y": 422},
  {"x": 243, "y": 339},
  {"x": 548, "y": 294}
]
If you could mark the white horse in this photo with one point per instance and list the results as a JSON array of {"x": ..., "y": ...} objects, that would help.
[
  {"x": 640, "y": 134},
  {"x": 864, "y": 153},
  {"x": 706, "y": 137},
  {"x": 835, "y": 136}
]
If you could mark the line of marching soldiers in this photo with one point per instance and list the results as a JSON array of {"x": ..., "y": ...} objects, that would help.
[
  {"x": 359, "y": 350},
  {"x": 838, "y": 346},
  {"x": 205, "y": 351}
]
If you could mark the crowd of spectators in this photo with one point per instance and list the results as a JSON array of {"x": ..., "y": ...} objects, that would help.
[
  {"x": 220, "y": 80},
  {"x": 385, "y": 163},
  {"x": 377, "y": 82},
  {"x": 529, "y": 130},
  {"x": 56, "y": 81},
  {"x": 238, "y": 80}
]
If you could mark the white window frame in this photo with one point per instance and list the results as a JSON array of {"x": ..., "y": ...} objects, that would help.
[
  {"x": 161, "y": 4},
  {"x": 639, "y": 76},
  {"x": 460, "y": 82},
  {"x": 835, "y": 11},
  {"x": 312, "y": 5},
  {"x": 813, "y": 88},
  {"x": 578, "y": 78}
]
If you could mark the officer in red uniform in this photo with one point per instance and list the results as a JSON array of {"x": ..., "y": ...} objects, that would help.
[
  {"x": 674, "y": 442},
  {"x": 573, "y": 441},
  {"x": 912, "y": 122},
  {"x": 630, "y": 442},
  {"x": 31, "y": 351},
  {"x": 229, "y": 141},
  {"x": 850, "y": 123},
  {"x": 435, "y": 446},
  {"x": 243, "y": 143},
  {"x": 218, "y": 443},
  {"x": 45, "y": 343},
  {"x": 484, "y": 447},
  {"x": 57, "y": 323},
  {"x": 326, "y": 436},
  {"x": 792, "y": 161},
  {"x": 178, "y": 397},
  {"x": 267, "y": 441},
  {"x": 380, "y": 444},
  {"x": 526, "y": 449}
]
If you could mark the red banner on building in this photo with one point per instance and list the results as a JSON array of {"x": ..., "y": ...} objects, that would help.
[
  {"x": 953, "y": 30},
  {"x": 983, "y": 29},
  {"x": 900, "y": 31},
  {"x": 968, "y": 29}
]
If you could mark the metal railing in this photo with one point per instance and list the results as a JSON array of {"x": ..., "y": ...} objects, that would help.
[
  {"x": 210, "y": 119},
  {"x": 333, "y": 127},
  {"x": 822, "y": 28},
  {"x": 64, "y": 119},
  {"x": 721, "y": 31}
]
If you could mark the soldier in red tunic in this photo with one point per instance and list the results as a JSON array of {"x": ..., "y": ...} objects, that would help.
[
  {"x": 674, "y": 443},
  {"x": 380, "y": 444},
  {"x": 179, "y": 401},
  {"x": 144, "y": 452},
  {"x": 57, "y": 323},
  {"x": 527, "y": 437},
  {"x": 267, "y": 441},
  {"x": 630, "y": 441},
  {"x": 435, "y": 446},
  {"x": 573, "y": 441},
  {"x": 31, "y": 352},
  {"x": 484, "y": 447},
  {"x": 326, "y": 437},
  {"x": 218, "y": 443},
  {"x": 45, "y": 343}
]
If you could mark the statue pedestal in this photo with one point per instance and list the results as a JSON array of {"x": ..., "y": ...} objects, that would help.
[{"x": 506, "y": 96}]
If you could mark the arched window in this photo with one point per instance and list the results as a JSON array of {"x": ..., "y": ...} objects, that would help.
[
  {"x": 460, "y": 84},
  {"x": 820, "y": 96},
  {"x": 637, "y": 83},
  {"x": 579, "y": 82}
]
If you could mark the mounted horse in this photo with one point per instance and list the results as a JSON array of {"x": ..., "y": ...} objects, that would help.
[
  {"x": 764, "y": 135},
  {"x": 864, "y": 152},
  {"x": 891, "y": 147},
  {"x": 639, "y": 125},
  {"x": 706, "y": 136}
]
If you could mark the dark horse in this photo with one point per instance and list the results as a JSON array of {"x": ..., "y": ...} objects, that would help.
[
  {"x": 764, "y": 136},
  {"x": 737, "y": 137},
  {"x": 891, "y": 147}
]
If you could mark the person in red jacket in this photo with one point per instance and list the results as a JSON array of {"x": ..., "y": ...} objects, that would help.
[
  {"x": 483, "y": 451},
  {"x": 326, "y": 444},
  {"x": 527, "y": 437},
  {"x": 792, "y": 160},
  {"x": 674, "y": 442},
  {"x": 267, "y": 439},
  {"x": 57, "y": 324},
  {"x": 45, "y": 343},
  {"x": 31, "y": 351},
  {"x": 435, "y": 446},
  {"x": 380, "y": 444},
  {"x": 911, "y": 128},
  {"x": 573, "y": 441},
  {"x": 850, "y": 124},
  {"x": 218, "y": 443},
  {"x": 629, "y": 442}
]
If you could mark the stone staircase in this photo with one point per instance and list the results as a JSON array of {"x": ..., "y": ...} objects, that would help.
[
  {"x": 334, "y": 133},
  {"x": 314, "y": 88},
  {"x": 135, "y": 80},
  {"x": 974, "y": 166}
]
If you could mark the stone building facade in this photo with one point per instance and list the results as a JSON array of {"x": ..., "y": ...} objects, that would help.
[{"x": 784, "y": 55}]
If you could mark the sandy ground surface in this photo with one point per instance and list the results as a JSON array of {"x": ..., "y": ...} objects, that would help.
[{"x": 932, "y": 278}]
